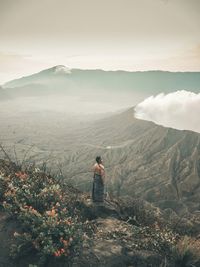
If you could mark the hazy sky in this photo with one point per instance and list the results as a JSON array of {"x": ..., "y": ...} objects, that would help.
[{"x": 106, "y": 34}]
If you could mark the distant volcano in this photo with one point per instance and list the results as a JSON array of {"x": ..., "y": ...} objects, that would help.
[{"x": 137, "y": 85}]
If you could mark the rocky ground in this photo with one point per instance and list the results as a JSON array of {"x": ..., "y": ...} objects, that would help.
[{"x": 120, "y": 240}]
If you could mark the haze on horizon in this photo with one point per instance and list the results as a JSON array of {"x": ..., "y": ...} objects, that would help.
[{"x": 110, "y": 35}]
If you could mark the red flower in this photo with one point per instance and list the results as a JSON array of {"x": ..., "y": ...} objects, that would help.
[{"x": 21, "y": 175}]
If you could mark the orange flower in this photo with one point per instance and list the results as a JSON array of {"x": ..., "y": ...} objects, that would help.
[
  {"x": 51, "y": 213},
  {"x": 17, "y": 174},
  {"x": 21, "y": 175}
]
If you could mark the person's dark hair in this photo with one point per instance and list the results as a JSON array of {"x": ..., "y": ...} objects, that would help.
[{"x": 98, "y": 159}]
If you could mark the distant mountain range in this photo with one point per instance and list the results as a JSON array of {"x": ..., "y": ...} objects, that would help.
[{"x": 60, "y": 79}]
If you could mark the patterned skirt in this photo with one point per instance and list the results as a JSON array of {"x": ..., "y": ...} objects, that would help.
[{"x": 98, "y": 189}]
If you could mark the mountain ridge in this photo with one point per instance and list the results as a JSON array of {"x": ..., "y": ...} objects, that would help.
[{"x": 149, "y": 81}]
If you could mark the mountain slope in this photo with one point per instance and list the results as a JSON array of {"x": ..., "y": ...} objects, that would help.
[{"x": 144, "y": 159}]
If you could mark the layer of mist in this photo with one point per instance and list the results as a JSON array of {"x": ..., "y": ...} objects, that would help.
[{"x": 178, "y": 110}]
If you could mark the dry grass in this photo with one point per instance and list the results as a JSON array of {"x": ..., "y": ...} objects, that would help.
[{"x": 186, "y": 253}]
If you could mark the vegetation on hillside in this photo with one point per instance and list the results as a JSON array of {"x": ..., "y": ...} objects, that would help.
[
  {"x": 55, "y": 222},
  {"x": 46, "y": 211}
]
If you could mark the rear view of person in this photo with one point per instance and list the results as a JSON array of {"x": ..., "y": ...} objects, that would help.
[{"x": 98, "y": 181}]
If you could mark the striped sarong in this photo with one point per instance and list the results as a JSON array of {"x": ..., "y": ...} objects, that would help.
[{"x": 97, "y": 189}]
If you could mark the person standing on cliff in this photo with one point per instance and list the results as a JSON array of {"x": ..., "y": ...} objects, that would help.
[{"x": 98, "y": 180}]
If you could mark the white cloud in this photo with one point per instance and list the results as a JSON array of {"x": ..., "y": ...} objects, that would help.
[{"x": 178, "y": 110}]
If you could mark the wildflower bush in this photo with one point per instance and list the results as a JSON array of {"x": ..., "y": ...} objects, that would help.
[{"x": 50, "y": 223}]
